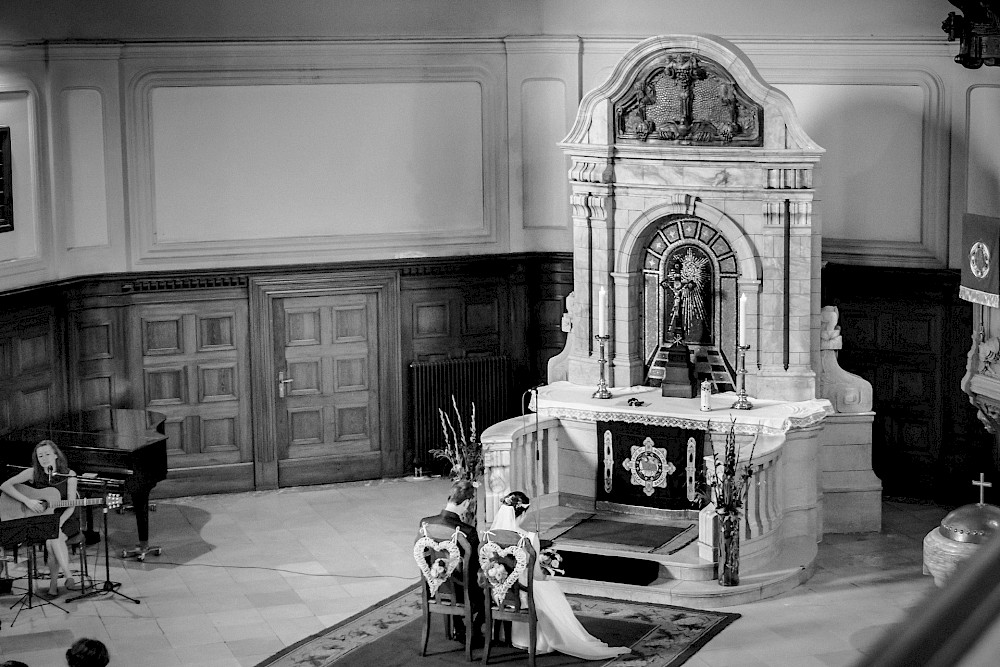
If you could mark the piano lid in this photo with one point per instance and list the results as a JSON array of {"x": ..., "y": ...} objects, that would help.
[{"x": 118, "y": 428}]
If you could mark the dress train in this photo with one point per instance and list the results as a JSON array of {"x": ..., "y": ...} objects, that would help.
[{"x": 559, "y": 629}]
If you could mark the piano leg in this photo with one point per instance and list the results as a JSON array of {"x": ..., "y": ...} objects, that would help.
[{"x": 140, "y": 504}]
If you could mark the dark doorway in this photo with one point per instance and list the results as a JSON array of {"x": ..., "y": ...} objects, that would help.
[{"x": 907, "y": 332}]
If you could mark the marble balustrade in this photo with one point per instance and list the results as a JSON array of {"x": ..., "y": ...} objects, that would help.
[{"x": 783, "y": 500}]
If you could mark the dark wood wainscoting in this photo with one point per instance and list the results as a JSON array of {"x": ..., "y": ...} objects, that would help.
[
  {"x": 548, "y": 285},
  {"x": 32, "y": 384},
  {"x": 907, "y": 332},
  {"x": 202, "y": 347}
]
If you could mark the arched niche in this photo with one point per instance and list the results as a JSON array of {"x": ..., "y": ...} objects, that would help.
[{"x": 687, "y": 253}]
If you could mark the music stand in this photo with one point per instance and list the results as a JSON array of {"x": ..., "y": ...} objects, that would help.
[
  {"x": 29, "y": 532},
  {"x": 108, "y": 586}
]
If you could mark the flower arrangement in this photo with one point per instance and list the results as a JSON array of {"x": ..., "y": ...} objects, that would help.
[
  {"x": 464, "y": 453},
  {"x": 439, "y": 569},
  {"x": 497, "y": 574},
  {"x": 550, "y": 561},
  {"x": 726, "y": 485}
]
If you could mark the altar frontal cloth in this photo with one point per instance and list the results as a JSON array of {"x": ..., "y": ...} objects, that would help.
[{"x": 648, "y": 466}]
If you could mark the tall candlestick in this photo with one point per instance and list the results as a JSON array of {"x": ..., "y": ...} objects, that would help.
[
  {"x": 602, "y": 312},
  {"x": 742, "y": 403},
  {"x": 743, "y": 319},
  {"x": 602, "y": 384}
]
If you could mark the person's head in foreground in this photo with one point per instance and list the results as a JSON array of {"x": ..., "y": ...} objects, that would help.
[{"x": 87, "y": 653}]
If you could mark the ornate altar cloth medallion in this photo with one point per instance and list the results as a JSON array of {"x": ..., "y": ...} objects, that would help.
[
  {"x": 979, "y": 259},
  {"x": 649, "y": 467}
]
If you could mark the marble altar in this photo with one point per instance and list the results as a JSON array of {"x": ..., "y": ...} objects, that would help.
[{"x": 694, "y": 223}]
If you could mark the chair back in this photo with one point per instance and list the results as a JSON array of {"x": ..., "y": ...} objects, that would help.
[
  {"x": 442, "y": 554},
  {"x": 507, "y": 561}
]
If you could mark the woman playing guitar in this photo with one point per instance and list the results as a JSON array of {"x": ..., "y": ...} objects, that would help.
[{"x": 49, "y": 468}]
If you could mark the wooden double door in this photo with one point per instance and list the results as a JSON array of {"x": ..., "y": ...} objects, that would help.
[{"x": 326, "y": 386}]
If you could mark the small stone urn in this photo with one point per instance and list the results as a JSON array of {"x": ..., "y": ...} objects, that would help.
[{"x": 960, "y": 535}]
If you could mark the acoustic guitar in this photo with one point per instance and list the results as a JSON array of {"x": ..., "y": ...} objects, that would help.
[{"x": 11, "y": 509}]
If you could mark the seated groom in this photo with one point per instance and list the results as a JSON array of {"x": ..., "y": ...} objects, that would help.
[{"x": 451, "y": 516}]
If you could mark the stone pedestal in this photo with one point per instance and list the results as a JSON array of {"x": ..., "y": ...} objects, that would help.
[
  {"x": 677, "y": 375},
  {"x": 852, "y": 493}
]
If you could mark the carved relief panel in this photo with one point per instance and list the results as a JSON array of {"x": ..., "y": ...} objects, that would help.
[{"x": 688, "y": 99}]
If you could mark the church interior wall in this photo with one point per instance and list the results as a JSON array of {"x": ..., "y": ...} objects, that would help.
[
  {"x": 172, "y": 139},
  {"x": 149, "y": 155}
]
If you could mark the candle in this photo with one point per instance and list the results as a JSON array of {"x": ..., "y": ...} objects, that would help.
[
  {"x": 706, "y": 392},
  {"x": 743, "y": 319},
  {"x": 602, "y": 312}
]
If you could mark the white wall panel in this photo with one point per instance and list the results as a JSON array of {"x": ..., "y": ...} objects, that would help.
[
  {"x": 984, "y": 151},
  {"x": 259, "y": 162},
  {"x": 315, "y": 152},
  {"x": 543, "y": 86},
  {"x": 543, "y": 166},
  {"x": 869, "y": 181},
  {"x": 85, "y": 172}
]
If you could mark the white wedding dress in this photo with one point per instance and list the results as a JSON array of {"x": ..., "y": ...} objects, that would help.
[{"x": 558, "y": 628}]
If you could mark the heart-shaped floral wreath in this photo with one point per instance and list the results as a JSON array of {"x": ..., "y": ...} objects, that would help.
[
  {"x": 438, "y": 575},
  {"x": 489, "y": 557}
]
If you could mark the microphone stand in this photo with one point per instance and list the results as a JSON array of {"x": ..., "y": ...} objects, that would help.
[{"x": 108, "y": 586}]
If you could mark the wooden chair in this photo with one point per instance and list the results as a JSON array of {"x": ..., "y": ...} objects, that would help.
[
  {"x": 511, "y": 600},
  {"x": 444, "y": 594}
]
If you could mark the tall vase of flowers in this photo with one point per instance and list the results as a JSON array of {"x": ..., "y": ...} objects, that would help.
[
  {"x": 464, "y": 452},
  {"x": 727, "y": 484}
]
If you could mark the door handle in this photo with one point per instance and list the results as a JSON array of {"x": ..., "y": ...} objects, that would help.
[{"x": 283, "y": 383}]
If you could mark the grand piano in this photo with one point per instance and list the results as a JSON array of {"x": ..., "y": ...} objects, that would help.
[{"x": 128, "y": 447}]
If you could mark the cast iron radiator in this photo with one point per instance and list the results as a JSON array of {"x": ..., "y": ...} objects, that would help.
[{"x": 485, "y": 381}]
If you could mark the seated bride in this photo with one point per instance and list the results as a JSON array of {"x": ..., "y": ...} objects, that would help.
[{"x": 558, "y": 628}]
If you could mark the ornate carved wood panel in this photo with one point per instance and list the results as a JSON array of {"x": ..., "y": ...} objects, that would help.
[
  {"x": 180, "y": 343},
  {"x": 192, "y": 365},
  {"x": 453, "y": 321},
  {"x": 98, "y": 361},
  {"x": 461, "y": 312},
  {"x": 906, "y": 332},
  {"x": 30, "y": 370},
  {"x": 548, "y": 285}
]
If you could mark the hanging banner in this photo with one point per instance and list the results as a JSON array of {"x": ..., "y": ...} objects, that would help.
[{"x": 980, "y": 256}]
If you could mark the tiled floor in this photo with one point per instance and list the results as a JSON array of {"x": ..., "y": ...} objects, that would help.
[{"x": 244, "y": 575}]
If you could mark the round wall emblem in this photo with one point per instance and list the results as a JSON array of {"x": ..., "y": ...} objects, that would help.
[{"x": 979, "y": 259}]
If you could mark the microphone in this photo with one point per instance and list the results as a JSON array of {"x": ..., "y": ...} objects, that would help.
[{"x": 49, "y": 472}]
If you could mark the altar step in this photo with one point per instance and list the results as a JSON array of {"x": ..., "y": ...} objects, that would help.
[
  {"x": 794, "y": 566},
  {"x": 683, "y": 578}
]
